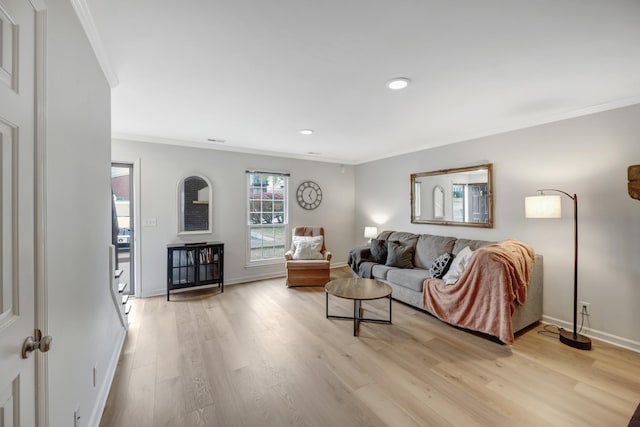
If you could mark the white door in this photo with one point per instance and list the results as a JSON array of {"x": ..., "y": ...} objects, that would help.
[{"x": 17, "y": 145}]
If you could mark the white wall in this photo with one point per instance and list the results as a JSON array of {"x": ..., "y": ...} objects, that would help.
[
  {"x": 163, "y": 166},
  {"x": 588, "y": 156},
  {"x": 82, "y": 317}
]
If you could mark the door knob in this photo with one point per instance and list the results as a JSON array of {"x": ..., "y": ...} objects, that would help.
[{"x": 37, "y": 342}]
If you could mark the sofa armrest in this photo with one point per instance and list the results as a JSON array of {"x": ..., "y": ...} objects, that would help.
[
  {"x": 288, "y": 255},
  {"x": 363, "y": 252},
  {"x": 531, "y": 311},
  {"x": 327, "y": 255},
  {"x": 357, "y": 255}
]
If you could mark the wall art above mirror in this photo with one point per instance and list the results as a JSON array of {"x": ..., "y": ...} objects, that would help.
[
  {"x": 460, "y": 196},
  {"x": 194, "y": 205}
]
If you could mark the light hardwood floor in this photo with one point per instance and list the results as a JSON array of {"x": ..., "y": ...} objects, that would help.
[{"x": 261, "y": 354}]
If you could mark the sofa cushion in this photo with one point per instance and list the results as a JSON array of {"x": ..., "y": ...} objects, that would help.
[
  {"x": 473, "y": 245},
  {"x": 440, "y": 266},
  {"x": 429, "y": 247},
  {"x": 380, "y": 271},
  {"x": 379, "y": 251},
  {"x": 399, "y": 255},
  {"x": 409, "y": 278}
]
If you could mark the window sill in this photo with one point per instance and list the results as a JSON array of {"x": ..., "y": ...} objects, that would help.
[{"x": 263, "y": 263}]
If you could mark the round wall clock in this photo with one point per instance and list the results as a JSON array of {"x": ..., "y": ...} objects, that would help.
[{"x": 309, "y": 195}]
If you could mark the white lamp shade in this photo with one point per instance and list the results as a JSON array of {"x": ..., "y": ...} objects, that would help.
[
  {"x": 543, "y": 207},
  {"x": 371, "y": 232}
]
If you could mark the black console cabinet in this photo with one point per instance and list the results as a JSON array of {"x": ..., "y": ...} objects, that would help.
[{"x": 196, "y": 264}]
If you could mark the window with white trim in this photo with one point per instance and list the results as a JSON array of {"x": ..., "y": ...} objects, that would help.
[{"x": 267, "y": 207}]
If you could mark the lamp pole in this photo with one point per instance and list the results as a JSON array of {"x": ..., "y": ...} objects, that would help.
[
  {"x": 575, "y": 267},
  {"x": 574, "y": 339}
]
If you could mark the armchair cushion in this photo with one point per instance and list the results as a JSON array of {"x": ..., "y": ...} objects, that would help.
[{"x": 307, "y": 247}]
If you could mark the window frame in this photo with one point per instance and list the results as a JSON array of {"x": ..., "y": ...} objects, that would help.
[{"x": 249, "y": 226}]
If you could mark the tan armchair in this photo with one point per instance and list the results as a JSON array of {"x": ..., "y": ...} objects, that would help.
[{"x": 307, "y": 272}]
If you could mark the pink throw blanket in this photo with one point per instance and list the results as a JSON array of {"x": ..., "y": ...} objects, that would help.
[{"x": 484, "y": 298}]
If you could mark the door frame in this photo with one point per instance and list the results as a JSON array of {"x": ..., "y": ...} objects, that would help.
[
  {"x": 40, "y": 205},
  {"x": 135, "y": 198}
]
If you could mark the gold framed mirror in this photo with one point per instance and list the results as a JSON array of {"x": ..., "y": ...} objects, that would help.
[{"x": 458, "y": 196}]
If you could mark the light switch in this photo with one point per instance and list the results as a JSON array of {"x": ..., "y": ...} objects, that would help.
[{"x": 149, "y": 222}]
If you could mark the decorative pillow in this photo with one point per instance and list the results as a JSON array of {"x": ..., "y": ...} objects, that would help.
[
  {"x": 457, "y": 266},
  {"x": 399, "y": 255},
  {"x": 379, "y": 251},
  {"x": 440, "y": 266},
  {"x": 307, "y": 247}
]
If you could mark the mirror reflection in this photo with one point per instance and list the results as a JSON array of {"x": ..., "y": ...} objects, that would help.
[
  {"x": 194, "y": 196},
  {"x": 438, "y": 202},
  {"x": 461, "y": 196}
]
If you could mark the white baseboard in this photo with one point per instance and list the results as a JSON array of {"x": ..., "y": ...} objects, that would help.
[
  {"x": 234, "y": 281},
  {"x": 596, "y": 334},
  {"x": 105, "y": 387}
]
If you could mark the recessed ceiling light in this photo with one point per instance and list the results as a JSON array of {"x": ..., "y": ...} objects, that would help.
[
  {"x": 398, "y": 83},
  {"x": 306, "y": 131}
]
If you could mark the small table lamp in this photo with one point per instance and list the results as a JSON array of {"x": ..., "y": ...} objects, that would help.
[
  {"x": 370, "y": 233},
  {"x": 543, "y": 206}
]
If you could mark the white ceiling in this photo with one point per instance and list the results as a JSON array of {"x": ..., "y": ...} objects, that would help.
[{"x": 255, "y": 72}]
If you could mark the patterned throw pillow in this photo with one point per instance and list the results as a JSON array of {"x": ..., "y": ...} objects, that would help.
[
  {"x": 440, "y": 266},
  {"x": 379, "y": 251}
]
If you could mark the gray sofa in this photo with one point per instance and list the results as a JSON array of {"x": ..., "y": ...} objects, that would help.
[{"x": 407, "y": 283}]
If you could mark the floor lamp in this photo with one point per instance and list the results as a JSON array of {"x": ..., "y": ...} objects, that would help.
[{"x": 544, "y": 206}]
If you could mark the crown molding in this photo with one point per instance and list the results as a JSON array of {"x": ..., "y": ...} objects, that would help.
[
  {"x": 222, "y": 147},
  {"x": 513, "y": 125},
  {"x": 38, "y": 5},
  {"x": 463, "y": 136},
  {"x": 89, "y": 25}
]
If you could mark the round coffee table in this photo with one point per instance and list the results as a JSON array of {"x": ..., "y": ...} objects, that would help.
[{"x": 358, "y": 290}]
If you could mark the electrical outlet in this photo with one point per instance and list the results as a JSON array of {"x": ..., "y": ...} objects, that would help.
[
  {"x": 76, "y": 417},
  {"x": 585, "y": 308}
]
